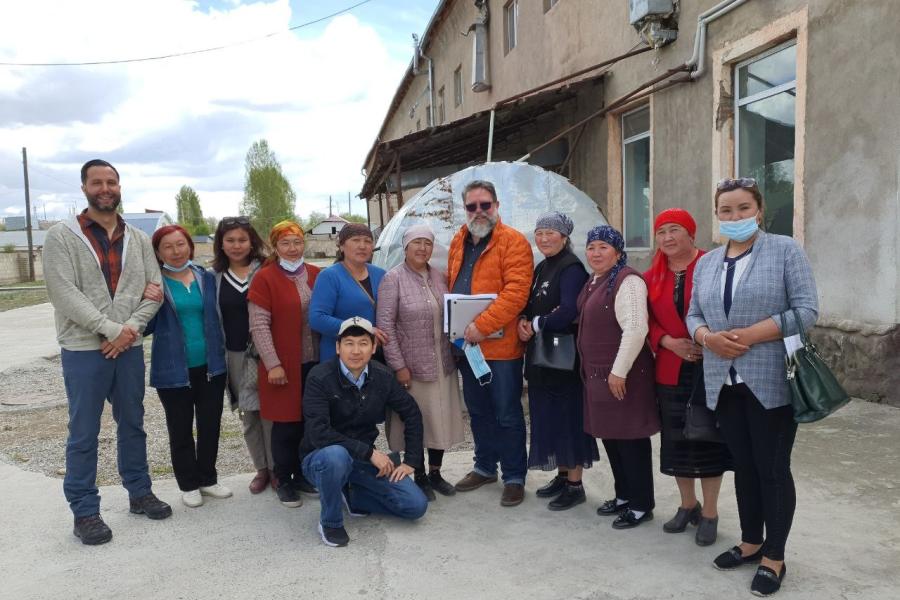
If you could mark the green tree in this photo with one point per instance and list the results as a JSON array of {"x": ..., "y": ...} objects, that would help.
[
  {"x": 268, "y": 197},
  {"x": 354, "y": 218},
  {"x": 190, "y": 215},
  {"x": 212, "y": 223}
]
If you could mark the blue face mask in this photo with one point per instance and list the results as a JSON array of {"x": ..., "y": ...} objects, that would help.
[
  {"x": 478, "y": 364},
  {"x": 739, "y": 231},
  {"x": 180, "y": 269},
  {"x": 290, "y": 266}
]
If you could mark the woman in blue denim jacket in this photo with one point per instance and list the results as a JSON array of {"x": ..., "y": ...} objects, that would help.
[{"x": 187, "y": 365}]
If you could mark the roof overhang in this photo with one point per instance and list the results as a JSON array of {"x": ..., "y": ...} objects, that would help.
[{"x": 465, "y": 140}]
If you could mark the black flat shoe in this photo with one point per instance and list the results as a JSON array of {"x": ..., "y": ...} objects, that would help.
[
  {"x": 424, "y": 484},
  {"x": 610, "y": 507},
  {"x": 441, "y": 485},
  {"x": 552, "y": 488},
  {"x": 766, "y": 582},
  {"x": 680, "y": 521},
  {"x": 570, "y": 496},
  {"x": 628, "y": 520},
  {"x": 732, "y": 559}
]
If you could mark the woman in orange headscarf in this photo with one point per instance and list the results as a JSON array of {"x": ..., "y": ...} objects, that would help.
[
  {"x": 669, "y": 283},
  {"x": 279, "y": 323}
]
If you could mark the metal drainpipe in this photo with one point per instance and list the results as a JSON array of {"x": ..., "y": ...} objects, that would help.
[
  {"x": 415, "y": 69},
  {"x": 697, "y": 58},
  {"x": 490, "y": 151}
]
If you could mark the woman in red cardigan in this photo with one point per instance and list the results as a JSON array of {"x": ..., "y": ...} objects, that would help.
[
  {"x": 279, "y": 323},
  {"x": 669, "y": 281}
]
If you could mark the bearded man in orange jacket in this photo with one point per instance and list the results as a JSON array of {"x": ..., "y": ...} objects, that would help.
[{"x": 485, "y": 257}]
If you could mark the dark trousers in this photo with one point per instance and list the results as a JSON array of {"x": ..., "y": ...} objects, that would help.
[
  {"x": 631, "y": 462},
  {"x": 760, "y": 441},
  {"x": 92, "y": 380},
  {"x": 194, "y": 463},
  {"x": 286, "y": 438}
]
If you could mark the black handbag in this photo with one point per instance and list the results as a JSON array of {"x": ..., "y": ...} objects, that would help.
[
  {"x": 553, "y": 351},
  {"x": 700, "y": 423},
  {"x": 815, "y": 391}
]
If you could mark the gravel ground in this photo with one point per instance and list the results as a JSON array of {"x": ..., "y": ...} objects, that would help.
[{"x": 34, "y": 437}]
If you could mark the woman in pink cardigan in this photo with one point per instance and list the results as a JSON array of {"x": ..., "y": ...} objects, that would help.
[{"x": 410, "y": 312}]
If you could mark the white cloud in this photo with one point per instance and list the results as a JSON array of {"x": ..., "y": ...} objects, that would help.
[{"x": 189, "y": 121}]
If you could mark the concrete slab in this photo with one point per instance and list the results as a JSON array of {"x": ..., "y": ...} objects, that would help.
[
  {"x": 27, "y": 334},
  {"x": 845, "y": 542}
]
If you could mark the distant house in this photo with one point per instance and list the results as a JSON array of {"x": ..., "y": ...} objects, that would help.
[
  {"x": 148, "y": 221},
  {"x": 330, "y": 226}
]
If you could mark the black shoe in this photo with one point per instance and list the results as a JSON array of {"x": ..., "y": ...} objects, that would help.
[
  {"x": 441, "y": 485},
  {"x": 707, "y": 531},
  {"x": 353, "y": 512},
  {"x": 680, "y": 521},
  {"x": 289, "y": 496},
  {"x": 424, "y": 484},
  {"x": 92, "y": 530},
  {"x": 571, "y": 496},
  {"x": 766, "y": 582},
  {"x": 612, "y": 507},
  {"x": 732, "y": 559},
  {"x": 552, "y": 488},
  {"x": 627, "y": 519},
  {"x": 334, "y": 536},
  {"x": 302, "y": 484},
  {"x": 151, "y": 506}
]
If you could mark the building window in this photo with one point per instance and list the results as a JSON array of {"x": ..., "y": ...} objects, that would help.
[
  {"x": 548, "y": 4},
  {"x": 418, "y": 124},
  {"x": 511, "y": 23},
  {"x": 428, "y": 122},
  {"x": 441, "y": 114},
  {"x": 765, "y": 93},
  {"x": 636, "y": 213},
  {"x": 457, "y": 86}
]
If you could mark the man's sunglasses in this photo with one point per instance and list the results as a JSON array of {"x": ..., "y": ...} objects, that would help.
[
  {"x": 484, "y": 206},
  {"x": 726, "y": 185},
  {"x": 229, "y": 221}
]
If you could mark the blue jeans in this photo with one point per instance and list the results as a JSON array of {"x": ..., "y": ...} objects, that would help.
[
  {"x": 498, "y": 421},
  {"x": 90, "y": 381},
  {"x": 331, "y": 468}
]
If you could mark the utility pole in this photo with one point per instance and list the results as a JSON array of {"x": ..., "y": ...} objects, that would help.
[
  {"x": 28, "y": 216},
  {"x": 330, "y": 210},
  {"x": 349, "y": 206}
]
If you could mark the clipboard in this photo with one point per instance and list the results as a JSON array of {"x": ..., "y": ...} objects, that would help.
[{"x": 460, "y": 310}]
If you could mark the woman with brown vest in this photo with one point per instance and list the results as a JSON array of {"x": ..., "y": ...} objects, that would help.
[{"x": 617, "y": 368}]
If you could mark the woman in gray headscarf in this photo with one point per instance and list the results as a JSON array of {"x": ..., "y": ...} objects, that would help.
[
  {"x": 558, "y": 439},
  {"x": 410, "y": 312}
]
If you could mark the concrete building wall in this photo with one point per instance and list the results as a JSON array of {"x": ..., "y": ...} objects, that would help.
[
  {"x": 14, "y": 267},
  {"x": 847, "y": 167}
]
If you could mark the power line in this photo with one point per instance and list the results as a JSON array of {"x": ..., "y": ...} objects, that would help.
[{"x": 187, "y": 53}]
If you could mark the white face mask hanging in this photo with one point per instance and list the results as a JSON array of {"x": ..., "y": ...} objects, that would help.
[{"x": 479, "y": 365}]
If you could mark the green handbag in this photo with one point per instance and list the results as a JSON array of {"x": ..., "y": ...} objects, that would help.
[{"x": 815, "y": 392}]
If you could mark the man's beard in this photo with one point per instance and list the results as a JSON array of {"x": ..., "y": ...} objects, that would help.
[
  {"x": 93, "y": 203},
  {"x": 481, "y": 229}
]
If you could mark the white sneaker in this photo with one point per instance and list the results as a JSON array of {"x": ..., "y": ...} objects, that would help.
[
  {"x": 192, "y": 499},
  {"x": 215, "y": 490}
]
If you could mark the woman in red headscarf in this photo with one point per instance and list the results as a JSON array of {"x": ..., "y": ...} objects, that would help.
[{"x": 669, "y": 281}]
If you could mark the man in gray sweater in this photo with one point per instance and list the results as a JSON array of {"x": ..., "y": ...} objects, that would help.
[{"x": 96, "y": 268}]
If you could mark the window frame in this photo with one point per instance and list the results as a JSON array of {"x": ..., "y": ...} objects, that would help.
[
  {"x": 647, "y": 135},
  {"x": 510, "y": 26},
  {"x": 441, "y": 109},
  {"x": 741, "y": 102},
  {"x": 457, "y": 87},
  {"x": 549, "y": 4},
  {"x": 776, "y": 34}
]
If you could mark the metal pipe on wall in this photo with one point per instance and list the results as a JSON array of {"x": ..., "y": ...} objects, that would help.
[{"x": 706, "y": 17}]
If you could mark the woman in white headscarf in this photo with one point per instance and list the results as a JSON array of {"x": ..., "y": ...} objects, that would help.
[{"x": 410, "y": 312}]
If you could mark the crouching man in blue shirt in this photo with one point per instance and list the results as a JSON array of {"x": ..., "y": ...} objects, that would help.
[{"x": 344, "y": 399}]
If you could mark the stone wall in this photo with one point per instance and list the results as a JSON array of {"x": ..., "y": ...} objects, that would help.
[
  {"x": 14, "y": 267},
  {"x": 864, "y": 360}
]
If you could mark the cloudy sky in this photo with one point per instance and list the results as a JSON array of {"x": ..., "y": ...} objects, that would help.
[{"x": 318, "y": 95}]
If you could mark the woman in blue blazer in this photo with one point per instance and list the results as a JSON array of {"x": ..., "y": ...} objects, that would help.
[
  {"x": 187, "y": 365},
  {"x": 348, "y": 288},
  {"x": 740, "y": 313}
]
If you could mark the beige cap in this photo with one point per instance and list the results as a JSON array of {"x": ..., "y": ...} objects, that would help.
[{"x": 356, "y": 322}]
